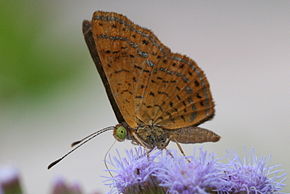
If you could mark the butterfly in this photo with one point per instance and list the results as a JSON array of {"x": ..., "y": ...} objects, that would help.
[{"x": 157, "y": 96}]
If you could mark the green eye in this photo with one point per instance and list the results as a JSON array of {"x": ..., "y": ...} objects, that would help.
[{"x": 120, "y": 133}]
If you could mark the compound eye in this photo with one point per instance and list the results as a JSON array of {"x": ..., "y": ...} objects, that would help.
[{"x": 120, "y": 133}]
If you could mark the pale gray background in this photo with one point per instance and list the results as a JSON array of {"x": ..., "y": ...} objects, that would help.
[{"x": 243, "y": 47}]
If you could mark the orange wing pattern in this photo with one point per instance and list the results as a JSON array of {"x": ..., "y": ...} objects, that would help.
[{"x": 150, "y": 84}]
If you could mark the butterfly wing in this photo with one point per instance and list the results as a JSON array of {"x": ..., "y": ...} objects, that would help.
[
  {"x": 123, "y": 59},
  {"x": 186, "y": 99},
  {"x": 150, "y": 85},
  {"x": 87, "y": 31}
]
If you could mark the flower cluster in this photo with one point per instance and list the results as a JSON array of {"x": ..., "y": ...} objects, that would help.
[
  {"x": 171, "y": 172},
  {"x": 10, "y": 183},
  {"x": 251, "y": 174}
]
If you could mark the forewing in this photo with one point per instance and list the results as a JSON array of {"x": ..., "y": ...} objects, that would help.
[
  {"x": 125, "y": 54},
  {"x": 87, "y": 31}
]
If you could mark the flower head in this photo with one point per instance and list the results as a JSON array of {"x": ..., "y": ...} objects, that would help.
[
  {"x": 192, "y": 174},
  {"x": 133, "y": 171},
  {"x": 10, "y": 181},
  {"x": 61, "y": 187},
  {"x": 251, "y": 175}
]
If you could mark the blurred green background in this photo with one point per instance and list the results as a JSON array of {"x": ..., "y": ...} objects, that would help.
[
  {"x": 51, "y": 93},
  {"x": 36, "y": 57}
]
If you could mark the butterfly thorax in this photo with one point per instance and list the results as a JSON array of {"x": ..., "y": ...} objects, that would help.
[{"x": 152, "y": 136}]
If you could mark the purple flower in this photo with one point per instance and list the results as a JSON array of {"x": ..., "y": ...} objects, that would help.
[
  {"x": 10, "y": 181},
  {"x": 185, "y": 175},
  {"x": 171, "y": 172},
  {"x": 251, "y": 175},
  {"x": 10, "y": 184},
  {"x": 61, "y": 187},
  {"x": 133, "y": 172}
]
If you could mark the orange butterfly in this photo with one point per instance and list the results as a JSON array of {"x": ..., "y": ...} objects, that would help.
[{"x": 157, "y": 96}]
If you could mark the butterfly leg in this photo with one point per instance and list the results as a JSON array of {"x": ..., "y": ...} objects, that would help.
[
  {"x": 169, "y": 153},
  {"x": 140, "y": 142},
  {"x": 148, "y": 152},
  {"x": 180, "y": 149}
]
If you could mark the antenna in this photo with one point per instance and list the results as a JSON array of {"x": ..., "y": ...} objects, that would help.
[{"x": 80, "y": 143}]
